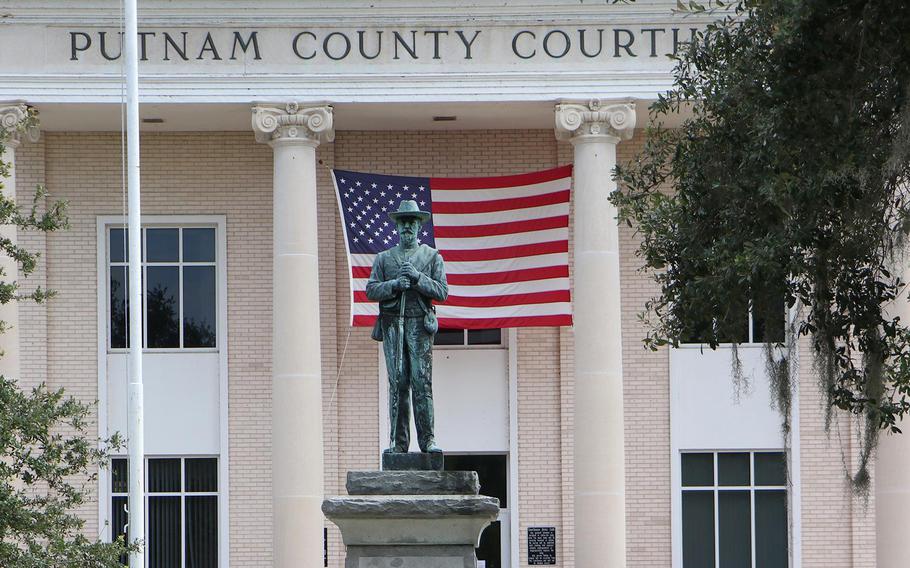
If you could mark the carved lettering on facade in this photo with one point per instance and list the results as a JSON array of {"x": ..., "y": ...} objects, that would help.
[{"x": 388, "y": 45}]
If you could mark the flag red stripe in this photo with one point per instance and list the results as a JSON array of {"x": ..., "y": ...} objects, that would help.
[
  {"x": 494, "y": 323},
  {"x": 465, "y": 207},
  {"x": 501, "y": 181},
  {"x": 486, "y": 323},
  {"x": 504, "y": 252},
  {"x": 510, "y": 228},
  {"x": 363, "y": 321},
  {"x": 508, "y": 299},
  {"x": 485, "y": 278},
  {"x": 523, "y": 275},
  {"x": 493, "y": 301}
]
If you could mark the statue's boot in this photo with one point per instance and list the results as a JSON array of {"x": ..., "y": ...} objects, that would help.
[{"x": 431, "y": 448}]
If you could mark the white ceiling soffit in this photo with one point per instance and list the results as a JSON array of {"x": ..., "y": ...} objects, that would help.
[{"x": 74, "y": 117}]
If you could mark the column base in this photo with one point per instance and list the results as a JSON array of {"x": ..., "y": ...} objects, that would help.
[{"x": 411, "y": 519}]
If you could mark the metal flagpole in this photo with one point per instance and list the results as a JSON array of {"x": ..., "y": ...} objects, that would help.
[{"x": 136, "y": 420}]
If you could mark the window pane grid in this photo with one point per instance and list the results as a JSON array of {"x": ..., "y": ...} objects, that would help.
[
  {"x": 206, "y": 290},
  {"x": 755, "y": 330},
  {"x": 473, "y": 338},
  {"x": 728, "y": 495},
  {"x": 204, "y": 522}
]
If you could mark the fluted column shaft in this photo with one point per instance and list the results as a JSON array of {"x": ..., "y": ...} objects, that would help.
[
  {"x": 12, "y": 119},
  {"x": 594, "y": 129},
  {"x": 297, "y": 441}
]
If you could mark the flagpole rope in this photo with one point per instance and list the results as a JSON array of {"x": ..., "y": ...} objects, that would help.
[{"x": 344, "y": 351}]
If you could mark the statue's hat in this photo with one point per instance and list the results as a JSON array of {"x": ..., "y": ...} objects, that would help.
[{"x": 409, "y": 208}]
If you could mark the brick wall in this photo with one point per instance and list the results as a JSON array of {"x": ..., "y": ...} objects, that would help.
[
  {"x": 646, "y": 397},
  {"x": 838, "y": 528},
  {"x": 229, "y": 174}
]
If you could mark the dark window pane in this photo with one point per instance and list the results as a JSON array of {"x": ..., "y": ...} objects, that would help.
[
  {"x": 696, "y": 332},
  {"x": 119, "y": 310},
  {"x": 484, "y": 336},
  {"x": 202, "y": 532},
  {"x": 698, "y": 529},
  {"x": 201, "y": 474},
  {"x": 449, "y": 337},
  {"x": 490, "y": 549},
  {"x": 119, "y": 243},
  {"x": 492, "y": 470},
  {"x": 164, "y": 532},
  {"x": 162, "y": 245},
  {"x": 734, "y": 510},
  {"x": 771, "y": 529},
  {"x": 735, "y": 327},
  {"x": 119, "y": 520},
  {"x": 162, "y": 306},
  {"x": 119, "y": 476},
  {"x": 199, "y": 306},
  {"x": 768, "y": 321},
  {"x": 199, "y": 245},
  {"x": 697, "y": 470},
  {"x": 770, "y": 468},
  {"x": 164, "y": 475},
  {"x": 733, "y": 469}
]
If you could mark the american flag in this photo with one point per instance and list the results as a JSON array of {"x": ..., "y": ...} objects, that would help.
[{"x": 504, "y": 240}]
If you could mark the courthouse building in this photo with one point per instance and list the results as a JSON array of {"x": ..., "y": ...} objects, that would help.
[{"x": 260, "y": 395}]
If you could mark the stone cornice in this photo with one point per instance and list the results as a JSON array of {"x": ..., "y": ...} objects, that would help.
[
  {"x": 595, "y": 118},
  {"x": 289, "y": 12},
  {"x": 13, "y": 124},
  {"x": 274, "y": 124}
]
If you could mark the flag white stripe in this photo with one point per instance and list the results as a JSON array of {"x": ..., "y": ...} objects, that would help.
[
  {"x": 507, "y": 264},
  {"x": 362, "y": 260},
  {"x": 462, "y": 195},
  {"x": 553, "y": 309},
  {"x": 529, "y": 287},
  {"x": 496, "y": 241},
  {"x": 495, "y": 217},
  {"x": 482, "y": 243},
  {"x": 503, "y": 265}
]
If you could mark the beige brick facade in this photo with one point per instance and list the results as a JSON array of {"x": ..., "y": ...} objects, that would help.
[{"x": 229, "y": 174}]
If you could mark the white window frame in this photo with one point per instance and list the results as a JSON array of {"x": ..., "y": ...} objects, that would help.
[
  {"x": 103, "y": 222},
  {"x": 183, "y": 494},
  {"x": 180, "y": 264},
  {"x": 679, "y": 489},
  {"x": 503, "y": 342},
  {"x": 506, "y": 515}
]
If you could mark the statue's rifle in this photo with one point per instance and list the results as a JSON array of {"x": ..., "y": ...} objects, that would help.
[
  {"x": 401, "y": 334},
  {"x": 401, "y": 326}
]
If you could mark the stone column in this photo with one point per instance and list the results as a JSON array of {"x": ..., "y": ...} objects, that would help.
[
  {"x": 594, "y": 128},
  {"x": 294, "y": 132},
  {"x": 12, "y": 118}
]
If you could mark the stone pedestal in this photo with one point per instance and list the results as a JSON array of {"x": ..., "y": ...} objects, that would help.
[
  {"x": 411, "y": 519},
  {"x": 393, "y": 461}
]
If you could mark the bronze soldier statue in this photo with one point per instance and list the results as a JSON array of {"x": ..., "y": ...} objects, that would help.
[{"x": 405, "y": 280}]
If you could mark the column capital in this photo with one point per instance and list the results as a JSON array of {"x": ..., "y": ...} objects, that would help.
[
  {"x": 291, "y": 123},
  {"x": 595, "y": 119},
  {"x": 15, "y": 122}
]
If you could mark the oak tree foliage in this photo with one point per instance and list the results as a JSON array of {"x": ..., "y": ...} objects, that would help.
[
  {"x": 787, "y": 186},
  {"x": 45, "y": 453}
]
